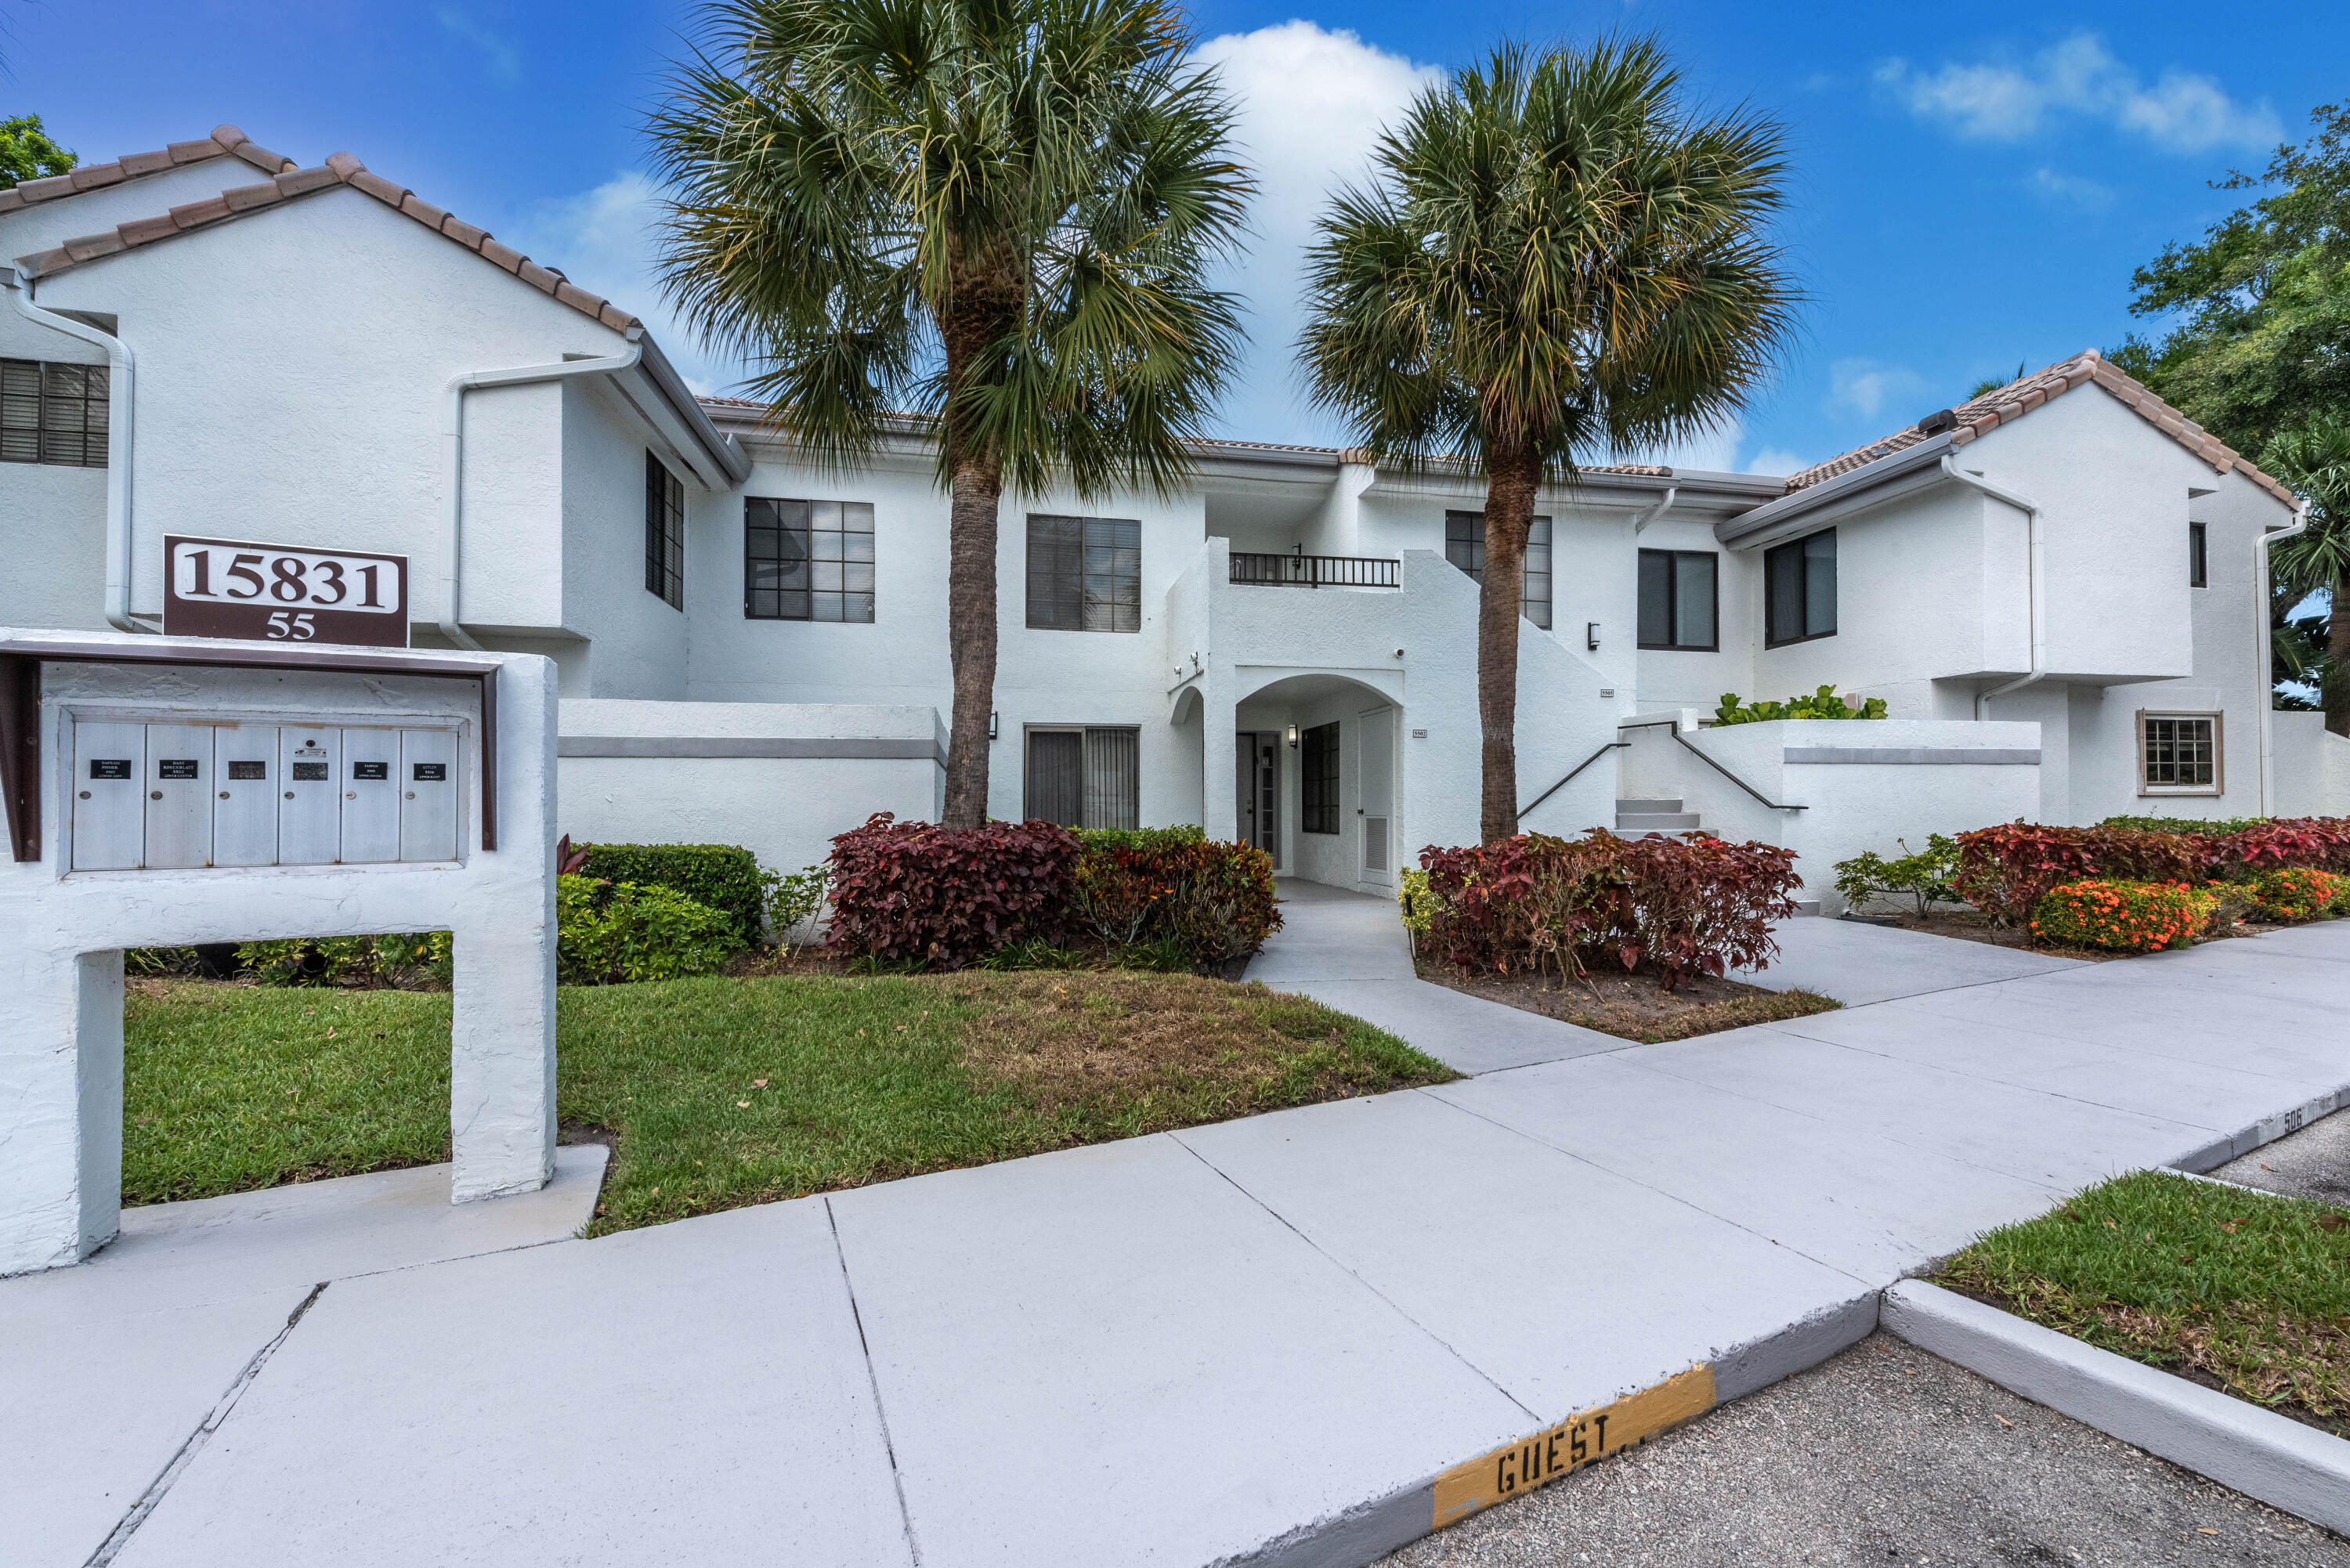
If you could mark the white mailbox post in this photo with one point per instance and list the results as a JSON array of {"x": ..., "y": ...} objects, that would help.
[{"x": 164, "y": 792}]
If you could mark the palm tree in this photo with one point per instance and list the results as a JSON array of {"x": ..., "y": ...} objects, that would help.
[
  {"x": 1556, "y": 259},
  {"x": 2316, "y": 461},
  {"x": 997, "y": 213}
]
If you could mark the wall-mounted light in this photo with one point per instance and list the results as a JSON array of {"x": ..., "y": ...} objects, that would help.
[
  {"x": 990, "y": 726},
  {"x": 1293, "y": 735},
  {"x": 1591, "y": 636}
]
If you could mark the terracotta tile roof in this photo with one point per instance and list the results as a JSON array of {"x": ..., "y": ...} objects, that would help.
[
  {"x": 341, "y": 169},
  {"x": 226, "y": 142},
  {"x": 1981, "y": 416}
]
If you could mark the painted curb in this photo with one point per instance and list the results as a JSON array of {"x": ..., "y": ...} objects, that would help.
[
  {"x": 1369, "y": 1531},
  {"x": 2264, "y": 1454},
  {"x": 2266, "y": 1131}
]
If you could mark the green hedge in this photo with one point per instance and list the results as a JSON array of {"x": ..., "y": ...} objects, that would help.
[
  {"x": 623, "y": 932},
  {"x": 721, "y": 876}
]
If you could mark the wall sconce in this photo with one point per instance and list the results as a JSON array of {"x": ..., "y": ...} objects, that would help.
[
  {"x": 1591, "y": 636},
  {"x": 990, "y": 726},
  {"x": 1292, "y": 737}
]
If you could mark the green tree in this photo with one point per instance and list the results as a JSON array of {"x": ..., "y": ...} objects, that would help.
[
  {"x": 1557, "y": 258},
  {"x": 998, "y": 213},
  {"x": 27, "y": 153},
  {"x": 2315, "y": 458}
]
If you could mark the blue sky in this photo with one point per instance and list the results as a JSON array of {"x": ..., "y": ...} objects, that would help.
[{"x": 1972, "y": 191}]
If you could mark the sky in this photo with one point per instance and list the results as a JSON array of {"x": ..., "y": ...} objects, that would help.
[{"x": 1970, "y": 191}]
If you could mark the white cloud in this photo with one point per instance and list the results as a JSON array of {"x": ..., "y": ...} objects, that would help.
[
  {"x": 500, "y": 53},
  {"x": 1310, "y": 104},
  {"x": 602, "y": 240},
  {"x": 1776, "y": 459},
  {"x": 1866, "y": 390},
  {"x": 2182, "y": 111},
  {"x": 2069, "y": 191}
]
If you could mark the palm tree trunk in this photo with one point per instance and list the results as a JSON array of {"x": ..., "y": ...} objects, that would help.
[
  {"x": 2334, "y": 696},
  {"x": 975, "y": 486},
  {"x": 1510, "y": 481}
]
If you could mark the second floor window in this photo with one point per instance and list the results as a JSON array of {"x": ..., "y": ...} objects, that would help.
[
  {"x": 1318, "y": 779},
  {"x": 53, "y": 413},
  {"x": 1799, "y": 590},
  {"x": 807, "y": 560},
  {"x": 1085, "y": 574},
  {"x": 1464, "y": 546},
  {"x": 1678, "y": 606},
  {"x": 664, "y": 534}
]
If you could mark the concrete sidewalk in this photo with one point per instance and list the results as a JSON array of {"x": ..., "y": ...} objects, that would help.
[{"x": 1256, "y": 1341}]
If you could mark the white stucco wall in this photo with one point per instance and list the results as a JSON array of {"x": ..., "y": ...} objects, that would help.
[
  {"x": 43, "y": 225},
  {"x": 638, "y": 644}
]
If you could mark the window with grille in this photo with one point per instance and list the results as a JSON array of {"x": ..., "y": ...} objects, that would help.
[
  {"x": 1679, "y": 607},
  {"x": 2178, "y": 754},
  {"x": 1799, "y": 590},
  {"x": 1084, "y": 777},
  {"x": 53, "y": 413},
  {"x": 1318, "y": 779},
  {"x": 807, "y": 560},
  {"x": 1085, "y": 574},
  {"x": 664, "y": 534},
  {"x": 2198, "y": 563},
  {"x": 1464, "y": 546}
]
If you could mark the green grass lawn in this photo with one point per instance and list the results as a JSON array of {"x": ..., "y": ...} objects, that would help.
[
  {"x": 2244, "y": 1291},
  {"x": 722, "y": 1092}
]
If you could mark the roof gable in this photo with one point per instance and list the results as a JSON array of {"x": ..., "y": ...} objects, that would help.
[
  {"x": 226, "y": 142},
  {"x": 1980, "y": 416}
]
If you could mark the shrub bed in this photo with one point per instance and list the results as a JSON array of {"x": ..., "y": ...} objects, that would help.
[
  {"x": 1823, "y": 703},
  {"x": 721, "y": 876},
  {"x": 2298, "y": 893},
  {"x": 2127, "y": 917},
  {"x": 608, "y": 932},
  {"x": 2009, "y": 868},
  {"x": 1037, "y": 895},
  {"x": 1686, "y": 906}
]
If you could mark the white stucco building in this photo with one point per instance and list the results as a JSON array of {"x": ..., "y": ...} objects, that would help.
[{"x": 2057, "y": 588}]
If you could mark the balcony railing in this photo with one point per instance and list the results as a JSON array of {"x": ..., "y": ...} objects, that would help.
[{"x": 1300, "y": 571}]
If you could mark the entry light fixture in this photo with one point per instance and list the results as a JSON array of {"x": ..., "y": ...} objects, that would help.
[
  {"x": 1293, "y": 735},
  {"x": 1591, "y": 636},
  {"x": 992, "y": 725}
]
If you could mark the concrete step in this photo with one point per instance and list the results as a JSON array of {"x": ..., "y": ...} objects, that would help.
[
  {"x": 1655, "y": 820},
  {"x": 1646, "y": 808}
]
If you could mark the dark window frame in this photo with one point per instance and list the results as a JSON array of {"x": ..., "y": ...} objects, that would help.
[
  {"x": 1802, "y": 614},
  {"x": 1090, "y": 569},
  {"x": 2147, "y": 735},
  {"x": 55, "y": 414},
  {"x": 2198, "y": 555},
  {"x": 1319, "y": 779},
  {"x": 1672, "y": 603},
  {"x": 834, "y": 546},
  {"x": 664, "y": 534},
  {"x": 1541, "y": 535},
  {"x": 1095, "y": 741}
]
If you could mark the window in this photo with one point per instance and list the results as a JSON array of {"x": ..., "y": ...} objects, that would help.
[
  {"x": 53, "y": 413},
  {"x": 1317, "y": 773},
  {"x": 2197, "y": 576},
  {"x": 1084, "y": 777},
  {"x": 1679, "y": 602},
  {"x": 1464, "y": 546},
  {"x": 1799, "y": 590},
  {"x": 807, "y": 560},
  {"x": 2178, "y": 754},
  {"x": 1085, "y": 574},
  {"x": 664, "y": 534}
]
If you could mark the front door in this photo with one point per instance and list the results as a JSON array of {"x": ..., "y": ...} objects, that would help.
[
  {"x": 1377, "y": 810},
  {"x": 1256, "y": 785}
]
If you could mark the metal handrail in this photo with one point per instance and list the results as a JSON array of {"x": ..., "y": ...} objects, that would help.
[
  {"x": 1578, "y": 767},
  {"x": 1263, "y": 569},
  {"x": 1674, "y": 725}
]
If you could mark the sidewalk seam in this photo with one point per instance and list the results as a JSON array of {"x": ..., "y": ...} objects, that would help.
[
  {"x": 1324, "y": 1252},
  {"x": 136, "y": 1515},
  {"x": 873, "y": 1381}
]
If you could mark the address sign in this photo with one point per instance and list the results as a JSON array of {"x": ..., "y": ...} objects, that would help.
[{"x": 283, "y": 593}]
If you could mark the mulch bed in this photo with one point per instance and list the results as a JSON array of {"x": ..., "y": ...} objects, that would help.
[{"x": 1634, "y": 1006}]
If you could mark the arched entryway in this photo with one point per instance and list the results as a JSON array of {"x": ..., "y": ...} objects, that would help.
[{"x": 1317, "y": 776}]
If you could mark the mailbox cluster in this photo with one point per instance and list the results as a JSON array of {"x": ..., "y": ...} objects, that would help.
[{"x": 173, "y": 795}]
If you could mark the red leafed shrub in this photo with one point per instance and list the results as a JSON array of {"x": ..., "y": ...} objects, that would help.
[
  {"x": 2009, "y": 868},
  {"x": 943, "y": 897},
  {"x": 1685, "y": 905},
  {"x": 2126, "y": 915},
  {"x": 1215, "y": 901}
]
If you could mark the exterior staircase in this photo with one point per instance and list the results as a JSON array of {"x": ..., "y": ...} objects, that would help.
[{"x": 1653, "y": 816}]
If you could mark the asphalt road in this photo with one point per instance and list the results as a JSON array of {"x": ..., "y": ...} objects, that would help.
[
  {"x": 2312, "y": 1163},
  {"x": 1883, "y": 1455}
]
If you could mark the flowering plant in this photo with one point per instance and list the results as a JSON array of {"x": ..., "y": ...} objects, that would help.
[{"x": 2127, "y": 917}]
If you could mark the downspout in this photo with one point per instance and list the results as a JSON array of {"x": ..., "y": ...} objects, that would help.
[
  {"x": 2265, "y": 656},
  {"x": 2034, "y": 570},
  {"x": 121, "y": 371},
  {"x": 1650, "y": 514},
  {"x": 452, "y": 445}
]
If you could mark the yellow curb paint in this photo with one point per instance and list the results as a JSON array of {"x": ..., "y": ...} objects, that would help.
[{"x": 1577, "y": 1441}]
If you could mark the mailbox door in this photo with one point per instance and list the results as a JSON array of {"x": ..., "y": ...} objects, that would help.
[
  {"x": 309, "y": 785},
  {"x": 245, "y": 796},
  {"x": 370, "y": 796},
  {"x": 428, "y": 804},
  {"x": 178, "y": 795},
  {"x": 109, "y": 795}
]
